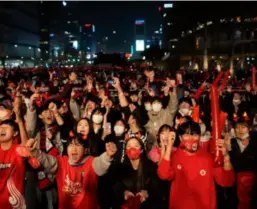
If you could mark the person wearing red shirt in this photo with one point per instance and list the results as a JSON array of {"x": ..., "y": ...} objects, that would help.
[
  {"x": 12, "y": 168},
  {"x": 76, "y": 174},
  {"x": 192, "y": 171}
]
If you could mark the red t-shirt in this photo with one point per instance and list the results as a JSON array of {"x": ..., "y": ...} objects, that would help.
[
  {"x": 12, "y": 171},
  {"x": 77, "y": 185},
  {"x": 193, "y": 179}
]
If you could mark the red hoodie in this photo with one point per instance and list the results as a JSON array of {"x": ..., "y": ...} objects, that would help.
[{"x": 193, "y": 179}]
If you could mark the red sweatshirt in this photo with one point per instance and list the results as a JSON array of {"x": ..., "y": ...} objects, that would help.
[
  {"x": 193, "y": 179},
  {"x": 77, "y": 185}
]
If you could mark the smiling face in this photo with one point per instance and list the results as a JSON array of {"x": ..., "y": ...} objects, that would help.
[
  {"x": 47, "y": 117},
  {"x": 6, "y": 133},
  {"x": 75, "y": 152},
  {"x": 83, "y": 127},
  {"x": 165, "y": 134}
]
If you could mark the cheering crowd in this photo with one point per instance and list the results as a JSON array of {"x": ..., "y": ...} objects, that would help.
[{"x": 73, "y": 139}]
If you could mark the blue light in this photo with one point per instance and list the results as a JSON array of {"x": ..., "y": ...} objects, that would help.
[
  {"x": 93, "y": 28},
  {"x": 80, "y": 29},
  {"x": 132, "y": 50},
  {"x": 64, "y": 3},
  {"x": 140, "y": 22},
  {"x": 51, "y": 35}
]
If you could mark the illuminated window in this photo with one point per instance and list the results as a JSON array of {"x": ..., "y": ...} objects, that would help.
[
  {"x": 170, "y": 5},
  {"x": 43, "y": 42}
]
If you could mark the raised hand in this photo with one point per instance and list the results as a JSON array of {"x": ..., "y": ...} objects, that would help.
[
  {"x": 143, "y": 196},
  {"x": 32, "y": 145},
  {"x": 221, "y": 147},
  {"x": 52, "y": 106},
  {"x": 128, "y": 195},
  {"x": 116, "y": 83}
]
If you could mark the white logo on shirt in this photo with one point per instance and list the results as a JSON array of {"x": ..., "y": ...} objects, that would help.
[{"x": 5, "y": 165}]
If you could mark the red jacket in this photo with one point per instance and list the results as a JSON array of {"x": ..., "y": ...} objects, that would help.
[{"x": 193, "y": 179}]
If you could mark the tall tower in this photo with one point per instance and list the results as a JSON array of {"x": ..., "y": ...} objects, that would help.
[{"x": 140, "y": 36}]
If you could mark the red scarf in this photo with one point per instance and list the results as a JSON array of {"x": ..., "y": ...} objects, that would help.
[{"x": 48, "y": 147}]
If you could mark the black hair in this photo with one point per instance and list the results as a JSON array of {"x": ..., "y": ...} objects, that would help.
[
  {"x": 139, "y": 140},
  {"x": 157, "y": 99},
  {"x": 43, "y": 108},
  {"x": 189, "y": 128},
  {"x": 82, "y": 140},
  {"x": 56, "y": 102},
  {"x": 90, "y": 124},
  {"x": 11, "y": 123},
  {"x": 243, "y": 122},
  {"x": 164, "y": 128},
  {"x": 186, "y": 100}
]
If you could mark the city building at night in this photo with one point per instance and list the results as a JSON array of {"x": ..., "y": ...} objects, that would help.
[
  {"x": 209, "y": 38},
  {"x": 140, "y": 37},
  {"x": 19, "y": 35},
  {"x": 60, "y": 33},
  {"x": 88, "y": 42}
]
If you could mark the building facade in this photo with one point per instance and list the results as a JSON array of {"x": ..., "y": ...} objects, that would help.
[
  {"x": 19, "y": 34},
  {"x": 208, "y": 36}
]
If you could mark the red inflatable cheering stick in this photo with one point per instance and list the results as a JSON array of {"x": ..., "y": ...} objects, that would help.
[
  {"x": 253, "y": 77},
  {"x": 216, "y": 132}
]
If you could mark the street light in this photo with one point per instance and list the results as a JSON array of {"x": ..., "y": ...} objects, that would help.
[
  {"x": 114, "y": 32},
  {"x": 64, "y": 3}
]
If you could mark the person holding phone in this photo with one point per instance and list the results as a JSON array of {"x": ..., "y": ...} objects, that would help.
[{"x": 192, "y": 172}]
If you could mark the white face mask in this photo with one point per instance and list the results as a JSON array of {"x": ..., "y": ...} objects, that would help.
[
  {"x": 236, "y": 101},
  {"x": 119, "y": 130},
  {"x": 245, "y": 136},
  {"x": 185, "y": 111},
  {"x": 97, "y": 119},
  {"x": 148, "y": 106},
  {"x": 157, "y": 107}
]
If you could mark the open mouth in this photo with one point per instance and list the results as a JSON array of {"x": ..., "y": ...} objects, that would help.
[
  {"x": 83, "y": 132},
  {"x": 3, "y": 134}
]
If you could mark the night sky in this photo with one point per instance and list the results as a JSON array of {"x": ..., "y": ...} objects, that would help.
[{"x": 120, "y": 16}]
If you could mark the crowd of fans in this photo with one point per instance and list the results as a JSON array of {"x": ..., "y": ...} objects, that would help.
[{"x": 111, "y": 139}]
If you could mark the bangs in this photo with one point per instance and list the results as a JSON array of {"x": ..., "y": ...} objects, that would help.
[{"x": 191, "y": 128}]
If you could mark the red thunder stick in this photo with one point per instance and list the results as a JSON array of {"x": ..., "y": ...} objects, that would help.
[
  {"x": 253, "y": 77},
  {"x": 216, "y": 133},
  {"x": 223, "y": 118},
  {"x": 224, "y": 81},
  {"x": 216, "y": 81}
]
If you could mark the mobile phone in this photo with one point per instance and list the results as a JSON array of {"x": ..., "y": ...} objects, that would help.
[{"x": 111, "y": 82}]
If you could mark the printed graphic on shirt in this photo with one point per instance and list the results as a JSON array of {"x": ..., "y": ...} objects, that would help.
[
  {"x": 72, "y": 188},
  {"x": 15, "y": 199}
]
